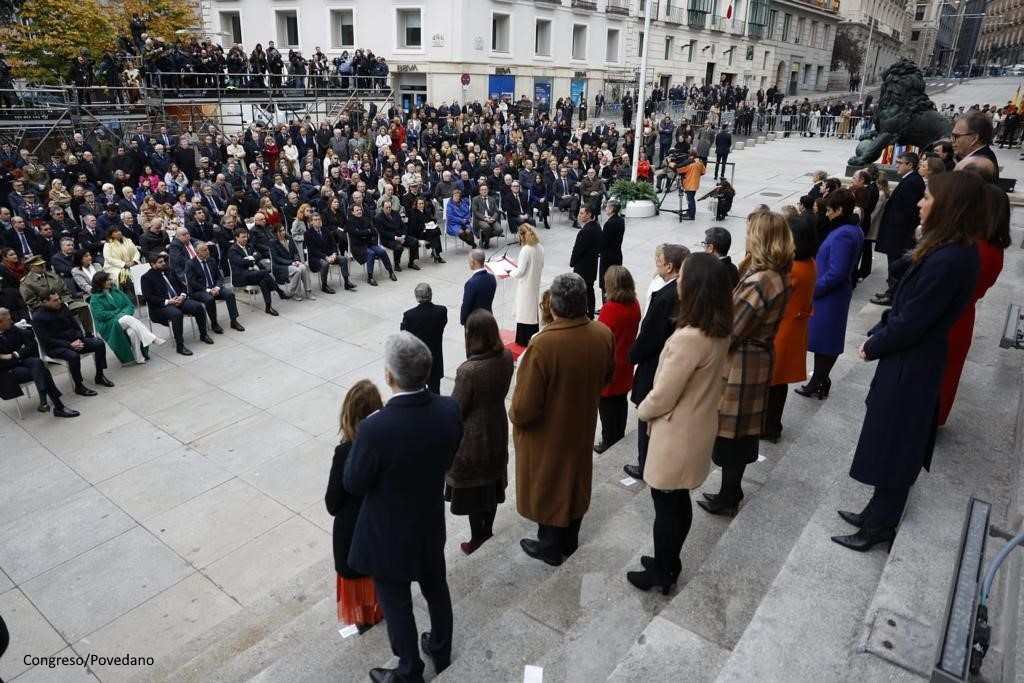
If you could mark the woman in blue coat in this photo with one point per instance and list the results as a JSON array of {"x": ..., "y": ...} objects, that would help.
[
  {"x": 837, "y": 258},
  {"x": 909, "y": 343},
  {"x": 458, "y": 218}
]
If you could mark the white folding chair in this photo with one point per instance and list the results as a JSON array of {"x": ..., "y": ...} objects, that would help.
[
  {"x": 26, "y": 390},
  {"x": 252, "y": 290},
  {"x": 137, "y": 272}
]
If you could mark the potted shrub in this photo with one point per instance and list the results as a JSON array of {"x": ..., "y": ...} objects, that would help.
[{"x": 638, "y": 198}]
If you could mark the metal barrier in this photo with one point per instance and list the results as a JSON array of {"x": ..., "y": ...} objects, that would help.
[{"x": 188, "y": 84}]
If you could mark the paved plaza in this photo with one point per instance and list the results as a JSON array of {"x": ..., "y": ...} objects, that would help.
[{"x": 181, "y": 516}]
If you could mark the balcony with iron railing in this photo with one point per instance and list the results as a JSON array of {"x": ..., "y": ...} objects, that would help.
[
  {"x": 584, "y": 4},
  {"x": 697, "y": 12},
  {"x": 548, "y": 2},
  {"x": 717, "y": 23},
  {"x": 675, "y": 15},
  {"x": 620, "y": 7},
  {"x": 756, "y": 31},
  {"x": 655, "y": 9}
]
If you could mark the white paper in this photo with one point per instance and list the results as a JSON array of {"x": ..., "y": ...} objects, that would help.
[
  {"x": 533, "y": 674},
  {"x": 500, "y": 268},
  {"x": 628, "y": 481},
  {"x": 349, "y": 630},
  {"x": 761, "y": 458}
]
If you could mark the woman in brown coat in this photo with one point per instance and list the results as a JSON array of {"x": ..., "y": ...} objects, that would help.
[
  {"x": 758, "y": 302},
  {"x": 682, "y": 411},
  {"x": 476, "y": 482}
]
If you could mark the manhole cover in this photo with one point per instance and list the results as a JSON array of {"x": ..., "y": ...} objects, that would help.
[{"x": 771, "y": 194}]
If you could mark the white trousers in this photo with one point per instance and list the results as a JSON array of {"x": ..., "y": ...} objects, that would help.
[{"x": 138, "y": 334}]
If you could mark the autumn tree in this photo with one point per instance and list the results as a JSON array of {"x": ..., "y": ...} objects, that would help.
[
  {"x": 847, "y": 51},
  {"x": 163, "y": 18}
]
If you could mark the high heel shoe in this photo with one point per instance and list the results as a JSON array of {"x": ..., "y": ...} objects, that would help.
[
  {"x": 646, "y": 580},
  {"x": 720, "y": 506},
  {"x": 815, "y": 389},
  {"x": 647, "y": 562},
  {"x": 712, "y": 496}
]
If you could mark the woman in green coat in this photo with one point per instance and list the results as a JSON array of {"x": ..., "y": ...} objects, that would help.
[{"x": 112, "y": 311}]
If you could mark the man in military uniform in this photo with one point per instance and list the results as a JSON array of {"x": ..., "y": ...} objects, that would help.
[{"x": 39, "y": 281}]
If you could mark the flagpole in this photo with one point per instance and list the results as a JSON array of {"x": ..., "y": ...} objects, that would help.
[{"x": 639, "y": 104}]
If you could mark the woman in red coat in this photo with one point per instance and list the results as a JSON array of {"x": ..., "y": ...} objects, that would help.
[
  {"x": 990, "y": 253},
  {"x": 791, "y": 339},
  {"x": 621, "y": 314}
]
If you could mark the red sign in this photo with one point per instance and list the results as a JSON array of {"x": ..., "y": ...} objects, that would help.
[{"x": 465, "y": 79}]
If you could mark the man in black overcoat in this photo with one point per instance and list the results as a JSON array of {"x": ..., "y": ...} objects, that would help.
[{"x": 427, "y": 322}]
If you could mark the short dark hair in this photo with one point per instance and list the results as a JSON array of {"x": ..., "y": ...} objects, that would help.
[
  {"x": 482, "y": 334},
  {"x": 240, "y": 231},
  {"x": 99, "y": 279},
  {"x": 674, "y": 254},
  {"x": 719, "y": 239},
  {"x": 980, "y": 125},
  {"x": 910, "y": 158},
  {"x": 705, "y": 296},
  {"x": 842, "y": 199}
]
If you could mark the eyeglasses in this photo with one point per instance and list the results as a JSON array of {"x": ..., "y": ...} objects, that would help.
[{"x": 957, "y": 136}]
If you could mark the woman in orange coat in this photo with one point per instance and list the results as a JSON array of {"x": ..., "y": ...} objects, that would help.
[
  {"x": 791, "y": 339},
  {"x": 621, "y": 314}
]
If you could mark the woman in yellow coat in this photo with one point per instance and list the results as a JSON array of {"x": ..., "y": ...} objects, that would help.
[
  {"x": 119, "y": 255},
  {"x": 682, "y": 411}
]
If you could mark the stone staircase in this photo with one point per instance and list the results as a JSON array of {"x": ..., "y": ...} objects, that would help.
[{"x": 765, "y": 596}]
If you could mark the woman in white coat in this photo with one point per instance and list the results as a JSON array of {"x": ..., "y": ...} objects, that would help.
[{"x": 527, "y": 275}]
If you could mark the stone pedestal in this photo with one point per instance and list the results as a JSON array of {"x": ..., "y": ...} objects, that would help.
[{"x": 737, "y": 145}]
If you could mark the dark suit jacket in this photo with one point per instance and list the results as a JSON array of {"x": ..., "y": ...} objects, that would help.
[
  {"x": 239, "y": 264},
  {"x": 734, "y": 273},
  {"x": 154, "y": 291},
  {"x": 178, "y": 257},
  {"x": 611, "y": 245},
  {"x": 195, "y": 278},
  {"x": 586, "y": 250},
  {"x": 56, "y": 329},
  {"x": 427, "y": 321},
  {"x": 12, "y": 240},
  {"x": 900, "y": 217},
  {"x": 478, "y": 293},
  {"x": 986, "y": 151},
  {"x": 21, "y": 343},
  {"x": 319, "y": 246},
  {"x": 400, "y": 530},
  {"x": 656, "y": 328}
]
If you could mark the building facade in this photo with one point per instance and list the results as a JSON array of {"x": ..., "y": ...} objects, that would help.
[
  {"x": 945, "y": 34},
  {"x": 880, "y": 26},
  {"x": 1002, "y": 34},
  {"x": 546, "y": 49}
]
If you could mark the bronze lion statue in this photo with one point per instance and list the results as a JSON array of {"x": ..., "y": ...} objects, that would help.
[{"x": 905, "y": 115}]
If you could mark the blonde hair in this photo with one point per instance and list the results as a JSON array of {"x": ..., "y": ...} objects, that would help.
[
  {"x": 528, "y": 235},
  {"x": 769, "y": 243},
  {"x": 361, "y": 401}
]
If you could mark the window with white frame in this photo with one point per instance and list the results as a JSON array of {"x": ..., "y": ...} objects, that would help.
[
  {"x": 669, "y": 42},
  {"x": 231, "y": 24},
  {"x": 542, "y": 38},
  {"x": 611, "y": 50},
  {"x": 343, "y": 28},
  {"x": 501, "y": 28},
  {"x": 410, "y": 28},
  {"x": 579, "y": 41},
  {"x": 287, "y": 28}
]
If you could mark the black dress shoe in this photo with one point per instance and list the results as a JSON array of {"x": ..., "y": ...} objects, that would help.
[
  {"x": 439, "y": 259},
  {"x": 284, "y": 297},
  {"x": 648, "y": 579},
  {"x": 720, "y": 506},
  {"x": 398, "y": 267},
  {"x": 439, "y": 665},
  {"x": 866, "y": 538},
  {"x": 217, "y": 329},
  {"x": 881, "y": 300},
  {"x": 206, "y": 339},
  {"x": 84, "y": 391},
  {"x": 381, "y": 675},
  {"x": 394, "y": 278},
  {"x": 534, "y": 550},
  {"x": 601, "y": 447},
  {"x": 854, "y": 518},
  {"x": 183, "y": 350},
  {"x": 65, "y": 412},
  {"x": 43, "y": 408},
  {"x": 235, "y": 325},
  {"x": 413, "y": 266},
  {"x": 270, "y": 311},
  {"x": 633, "y": 471},
  {"x": 102, "y": 381},
  {"x": 327, "y": 290},
  {"x": 372, "y": 282},
  {"x": 349, "y": 287}
]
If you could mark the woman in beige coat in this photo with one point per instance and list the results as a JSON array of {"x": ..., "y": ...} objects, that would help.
[{"x": 682, "y": 411}]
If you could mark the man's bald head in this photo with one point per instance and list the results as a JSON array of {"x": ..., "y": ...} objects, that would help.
[{"x": 983, "y": 166}]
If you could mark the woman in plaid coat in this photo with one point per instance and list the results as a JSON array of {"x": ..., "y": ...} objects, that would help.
[{"x": 759, "y": 301}]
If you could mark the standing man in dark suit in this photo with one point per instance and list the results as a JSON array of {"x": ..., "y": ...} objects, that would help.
[
  {"x": 427, "y": 322},
  {"x": 60, "y": 336},
  {"x": 723, "y": 145},
  {"x": 400, "y": 534},
  {"x": 656, "y": 328},
  {"x": 717, "y": 241},
  {"x": 972, "y": 136},
  {"x": 612, "y": 232},
  {"x": 19, "y": 359},
  {"x": 900, "y": 219},
  {"x": 205, "y": 284},
  {"x": 168, "y": 304},
  {"x": 480, "y": 287},
  {"x": 585, "y": 253}
]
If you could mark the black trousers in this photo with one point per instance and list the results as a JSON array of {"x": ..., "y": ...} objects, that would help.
[
  {"x": 74, "y": 358},
  {"x": 396, "y": 602},
  {"x": 323, "y": 268},
  {"x": 614, "y": 411},
  {"x": 777, "y": 394},
  {"x": 673, "y": 516},
  {"x": 720, "y": 161},
  {"x": 591, "y": 297},
  {"x": 562, "y": 540},
  {"x": 262, "y": 279},
  {"x": 173, "y": 317},
  {"x": 886, "y": 507},
  {"x": 209, "y": 302},
  {"x": 866, "y": 255},
  {"x": 642, "y": 441},
  {"x": 35, "y": 369}
]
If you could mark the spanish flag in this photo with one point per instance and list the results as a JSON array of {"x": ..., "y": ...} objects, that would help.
[{"x": 1017, "y": 98}]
